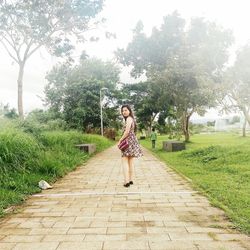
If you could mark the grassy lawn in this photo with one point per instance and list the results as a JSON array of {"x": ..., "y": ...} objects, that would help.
[{"x": 219, "y": 165}]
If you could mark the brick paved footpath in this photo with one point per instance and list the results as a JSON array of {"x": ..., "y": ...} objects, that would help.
[{"x": 90, "y": 209}]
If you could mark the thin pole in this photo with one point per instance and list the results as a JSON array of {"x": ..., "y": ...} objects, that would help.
[{"x": 101, "y": 114}]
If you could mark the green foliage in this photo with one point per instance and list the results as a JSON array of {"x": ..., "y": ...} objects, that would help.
[
  {"x": 218, "y": 165},
  {"x": 110, "y": 133},
  {"x": 197, "y": 128},
  {"x": 150, "y": 54},
  {"x": 39, "y": 119},
  {"x": 183, "y": 63},
  {"x": 147, "y": 101},
  {"x": 236, "y": 85},
  {"x": 235, "y": 119},
  {"x": 18, "y": 151},
  {"x": 8, "y": 112},
  {"x": 204, "y": 155},
  {"x": 28, "y": 25},
  {"x": 211, "y": 123},
  {"x": 73, "y": 93}
]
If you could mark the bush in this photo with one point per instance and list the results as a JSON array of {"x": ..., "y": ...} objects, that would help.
[
  {"x": 110, "y": 133},
  {"x": 18, "y": 151}
]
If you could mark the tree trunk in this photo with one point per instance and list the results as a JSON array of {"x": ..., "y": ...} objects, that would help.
[
  {"x": 185, "y": 126},
  {"x": 187, "y": 134},
  {"x": 244, "y": 128},
  {"x": 20, "y": 89},
  {"x": 148, "y": 131},
  {"x": 246, "y": 114}
]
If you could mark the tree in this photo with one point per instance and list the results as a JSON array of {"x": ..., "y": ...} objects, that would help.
[
  {"x": 184, "y": 62},
  {"x": 73, "y": 93},
  {"x": 8, "y": 112},
  {"x": 188, "y": 88},
  {"x": 28, "y": 25},
  {"x": 146, "y": 100},
  {"x": 236, "y": 86},
  {"x": 150, "y": 54}
]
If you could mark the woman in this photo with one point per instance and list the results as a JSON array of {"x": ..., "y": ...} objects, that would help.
[{"x": 133, "y": 149}]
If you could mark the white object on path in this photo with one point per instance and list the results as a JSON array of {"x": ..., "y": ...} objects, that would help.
[{"x": 44, "y": 185}]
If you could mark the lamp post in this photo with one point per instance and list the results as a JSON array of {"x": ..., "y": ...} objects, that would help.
[{"x": 101, "y": 108}]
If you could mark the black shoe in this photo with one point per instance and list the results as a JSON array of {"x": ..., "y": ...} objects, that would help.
[
  {"x": 126, "y": 185},
  {"x": 131, "y": 182}
]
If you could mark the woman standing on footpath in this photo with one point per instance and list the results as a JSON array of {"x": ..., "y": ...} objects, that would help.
[{"x": 133, "y": 149}]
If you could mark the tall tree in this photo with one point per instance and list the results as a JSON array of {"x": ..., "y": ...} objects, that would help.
[
  {"x": 235, "y": 88},
  {"x": 146, "y": 100},
  {"x": 74, "y": 93},
  {"x": 150, "y": 54},
  {"x": 28, "y": 25},
  {"x": 187, "y": 88},
  {"x": 184, "y": 62}
]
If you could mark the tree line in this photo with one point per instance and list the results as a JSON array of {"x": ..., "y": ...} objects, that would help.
[
  {"x": 185, "y": 64},
  {"x": 186, "y": 71}
]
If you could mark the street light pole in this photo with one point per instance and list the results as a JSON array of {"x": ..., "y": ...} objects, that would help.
[{"x": 101, "y": 109}]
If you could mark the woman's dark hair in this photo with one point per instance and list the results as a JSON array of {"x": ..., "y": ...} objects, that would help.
[{"x": 130, "y": 113}]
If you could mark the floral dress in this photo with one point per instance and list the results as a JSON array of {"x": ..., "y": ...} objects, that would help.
[{"x": 134, "y": 149}]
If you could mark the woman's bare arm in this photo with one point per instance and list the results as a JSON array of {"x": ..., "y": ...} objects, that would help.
[{"x": 129, "y": 122}]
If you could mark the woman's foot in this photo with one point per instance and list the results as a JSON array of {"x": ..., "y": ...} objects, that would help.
[
  {"x": 131, "y": 182},
  {"x": 126, "y": 185}
]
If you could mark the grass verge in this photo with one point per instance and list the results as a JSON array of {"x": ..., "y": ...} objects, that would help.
[
  {"x": 25, "y": 159},
  {"x": 219, "y": 165}
]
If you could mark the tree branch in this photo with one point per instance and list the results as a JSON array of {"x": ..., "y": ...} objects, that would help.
[
  {"x": 9, "y": 52},
  {"x": 42, "y": 43},
  {"x": 25, "y": 55},
  {"x": 12, "y": 44}
]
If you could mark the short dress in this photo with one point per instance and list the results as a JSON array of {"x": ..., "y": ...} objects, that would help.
[{"x": 134, "y": 149}]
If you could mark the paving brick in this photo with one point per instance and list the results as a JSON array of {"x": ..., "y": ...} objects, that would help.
[
  {"x": 125, "y": 245},
  {"x": 145, "y": 224},
  {"x": 80, "y": 245},
  {"x": 170, "y": 245},
  {"x": 16, "y": 231},
  {"x": 219, "y": 246},
  {"x": 166, "y": 229},
  {"x": 22, "y": 238},
  {"x": 98, "y": 230},
  {"x": 205, "y": 229},
  {"x": 9, "y": 225},
  {"x": 40, "y": 246},
  {"x": 108, "y": 224},
  {"x": 64, "y": 238},
  {"x": 7, "y": 246},
  {"x": 48, "y": 231},
  {"x": 147, "y": 237},
  {"x": 117, "y": 230},
  {"x": 189, "y": 236},
  {"x": 105, "y": 237}
]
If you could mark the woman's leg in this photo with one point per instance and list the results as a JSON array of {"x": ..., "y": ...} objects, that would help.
[
  {"x": 125, "y": 167},
  {"x": 131, "y": 167}
]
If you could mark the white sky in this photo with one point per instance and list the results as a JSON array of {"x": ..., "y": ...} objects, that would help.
[{"x": 122, "y": 16}]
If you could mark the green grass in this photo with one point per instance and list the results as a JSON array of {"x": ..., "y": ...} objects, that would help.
[
  {"x": 26, "y": 159},
  {"x": 218, "y": 165}
]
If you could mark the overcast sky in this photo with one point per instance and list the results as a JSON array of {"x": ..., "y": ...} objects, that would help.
[{"x": 121, "y": 15}]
